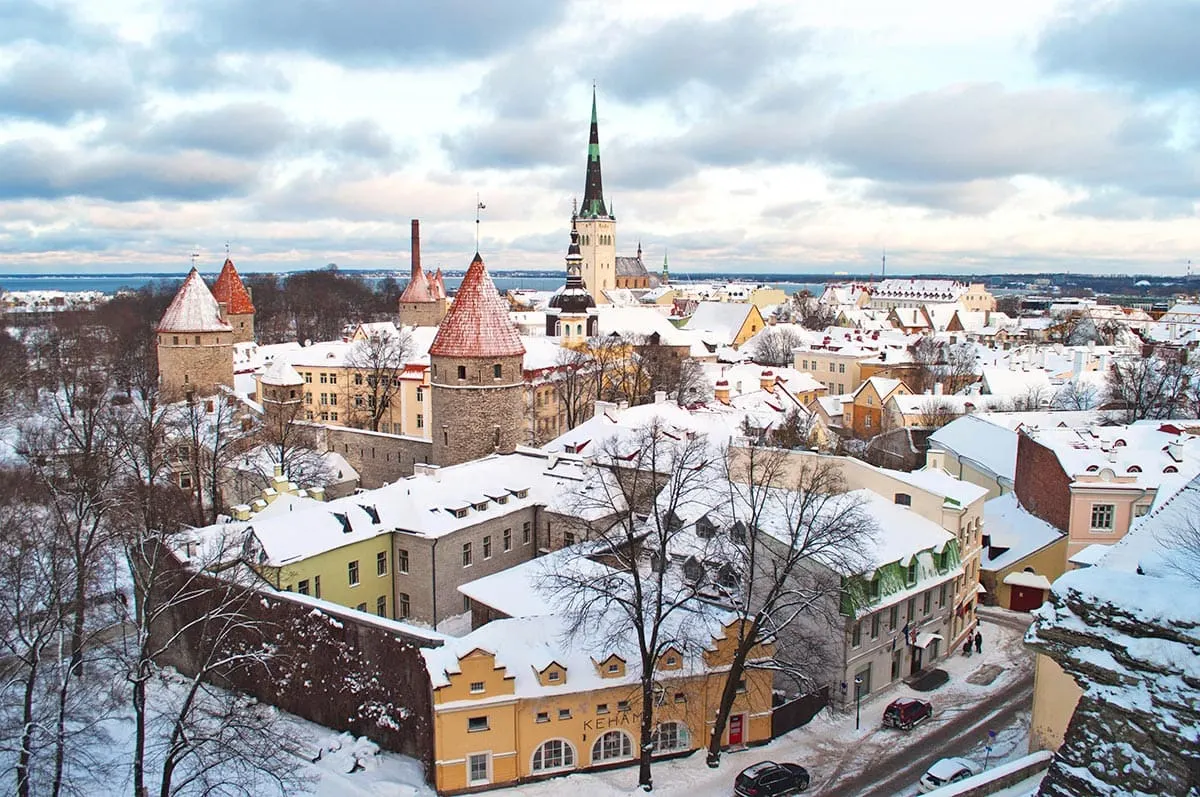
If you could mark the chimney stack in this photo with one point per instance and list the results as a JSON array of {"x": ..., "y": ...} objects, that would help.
[
  {"x": 416, "y": 247},
  {"x": 721, "y": 393}
]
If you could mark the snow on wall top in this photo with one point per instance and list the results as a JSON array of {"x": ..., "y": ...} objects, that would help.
[
  {"x": 193, "y": 309},
  {"x": 477, "y": 324}
]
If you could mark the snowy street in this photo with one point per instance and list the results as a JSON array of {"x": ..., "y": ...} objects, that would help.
[{"x": 840, "y": 759}]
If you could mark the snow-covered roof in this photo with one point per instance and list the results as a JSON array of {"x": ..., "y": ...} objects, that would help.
[
  {"x": 939, "y": 482},
  {"x": 193, "y": 309},
  {"x": 980, "y": 441},
  {"x": 719, "y": 322},
  {"x": 281, "y": 372},
  {"x": 1020, "y": 578},
  {"x": 477, "y": 324},
  {"x": 1013, "y": 533},
  {"x": 1003, "y": 381},
  {"x": 882, "y": 385},
  {"x": 1090, "y": 555},
  {"x": 930, "y": 290},
  {"x": 917, "y": 403},
  {"x": 640, "y": 321},
  {"x": 1144, "y": 454},
  {"x": 524, "y": 590}
]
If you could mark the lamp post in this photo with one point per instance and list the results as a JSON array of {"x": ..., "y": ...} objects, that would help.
[{"x": 857, "y": 701}]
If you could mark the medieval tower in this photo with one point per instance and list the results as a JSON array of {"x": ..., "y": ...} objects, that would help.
[
  {"x": 195, "y": 343},
  {"x": 597, "y": 226},
  {"x": 476, "y": 375},
  {"x": 237, "y": 309},
  {"x": 423, "y": 302}
]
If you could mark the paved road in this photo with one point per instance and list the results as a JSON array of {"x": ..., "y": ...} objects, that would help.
[{"x": 954, "y": 734}]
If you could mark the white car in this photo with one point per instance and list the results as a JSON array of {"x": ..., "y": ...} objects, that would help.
[{"x": 946, "y": 770}]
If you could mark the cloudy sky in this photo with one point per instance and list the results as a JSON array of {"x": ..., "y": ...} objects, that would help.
[{"x": 788, "y": 135}]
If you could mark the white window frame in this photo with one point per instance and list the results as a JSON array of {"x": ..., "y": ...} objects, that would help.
[
  {"x": 487, "y": 768},
  {"x": 1112, "y": 518}
]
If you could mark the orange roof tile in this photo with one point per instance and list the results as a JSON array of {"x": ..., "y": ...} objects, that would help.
[
  {"x": 229, "y": 291},
  {"x": 477, "y": 324}
]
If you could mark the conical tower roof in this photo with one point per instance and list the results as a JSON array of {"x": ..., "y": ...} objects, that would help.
[
  {"x": 229, "y": 291},
  {"x": 477, "y": 324},
  {"x": 193, "y": 309},
  {"x": 281, "y": 373},
  {"x": 417, "y": 289}
]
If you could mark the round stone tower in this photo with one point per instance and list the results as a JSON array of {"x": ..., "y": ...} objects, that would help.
[
  {"x": 477, "y": 376},
  {"x": 281, "y": 390},
  {"x": 195, "y": 344},
  {"x": 237, "y": 309}
]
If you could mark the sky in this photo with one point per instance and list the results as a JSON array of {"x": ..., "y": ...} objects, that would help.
[{"x": 776, "y": 136}]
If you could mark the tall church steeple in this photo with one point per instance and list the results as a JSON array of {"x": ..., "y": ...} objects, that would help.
[
  {"x": 593, "y": 192},
  {"x": 596, "y": 225}
]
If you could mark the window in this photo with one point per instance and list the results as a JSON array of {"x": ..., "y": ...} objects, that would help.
[
  {"x": 462, "y": 372},
  {"x": 352, "y": 573},
  {"x": 466, "y": 554},
  {"x": 568, "y": 538},
  {"x": 867, "y": 419},
  {"x": 942, "y": 596},
  {"x": 185, "y": 480},
  {"x": 496, "y": 371},
  {"x": 1141, "y": 510},
  {"x": 912, "y": 608},
  {"x": 477, "y": 769},
  {"x": 316, "y": 586},
  {"x": 475, "y": 724},
  {"x": 875, "y": 626},
  {"x": 669, "y": 737},
  {"x": 466, "y": 604},
  {"x": 563, "y": 713},
  {"x": 680, "y": 697},
  {"x": 856, "y": 635},
  {"x": 741, "y": 686},
  {"x": 873, "y": 588},
  {"x": 333, "y": 379},
  {"x": 622, "y": 705},
  {"x": 420, "y": 394},
  {"x": 543, "y": 716},
  {"x": 362, "y": 607},
  {"x": 420, "y": 421},
  {"x": 612, "y": 746},
  {"x": 614, "y": 667},
  {"x": 903, "y": 499},
  {"x": 381, "y": 563},
  {"x": 402, "y": 560},
  {"x": 553, "y": 754},
  {"x": 487, "y": 546},
  {"x": 402, "y": 605},
  {"x": 324, "y": 379},
  {"x": 841, "y": 368},
  {"x": 831, "y": 368},
  {"x": 477, "y": 687},
  {"x": 381, "y": 606},
  {"x": 1102, "y": 517},
  {"x": 525, "y": 533},
  {"x": 553, "y": 675},
  {"x": 508, "y": 539},
  {"x": 358, "y": 379},
  {"x": 175, "y": 340},
  {"x": 911, "y": 576},
  {"x": 927, "y": 603},
  {"x": 302, "y": 587},
  {"x": 601, "y": 708}
]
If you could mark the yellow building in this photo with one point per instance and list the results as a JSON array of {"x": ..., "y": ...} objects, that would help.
[{"x": 515, "y": 701}]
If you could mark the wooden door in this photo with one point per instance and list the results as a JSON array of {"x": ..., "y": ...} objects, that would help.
[
  {"x": 737, "y": 728},
  {"x": 1024, "y": 599}
]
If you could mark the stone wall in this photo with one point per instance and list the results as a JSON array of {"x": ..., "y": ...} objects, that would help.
[
  {"x": 187, "y": 366},
  {"x": 422, "y": 314},
  {"x": 1041, "y": 485},
  {"x": 338, "y": 668},
  {"x": 379, "y": 458},
  {"x": 478, "y": 414},
  {"x": 243, "y": 326}
]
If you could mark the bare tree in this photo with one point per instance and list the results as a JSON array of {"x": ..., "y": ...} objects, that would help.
[
  {"x": 808, "y": 311},
  {"x": 936, "y": 412},
  {"x": 378, "y": 363},
  {"x": 574, "y": 372},
  {"x": 794, "y": 431},
  {"x": 774, "y": 345},
  {"x": 611, "y": 355},
  {"x": 1033, "y": 398},
  {"x": 794, "y": 533},
  {"x": 1077, "y": 395},
  {"x": 958, "y": 367},
  {"x": 293, "y": 446},
  {"x": 926, "y": 357},
  {"x": 208, "y": 436},
  {"x": 659, "y": 473},
  {"x": 14, "y": 371},
  {"x": 1137, "y": 388}
]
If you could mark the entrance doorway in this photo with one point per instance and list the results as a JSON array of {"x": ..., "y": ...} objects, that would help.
[
  {"x": 916, "y": 660},
  {"x": 1026, "y": 599},
  {"x": 737, "y": 729},
  {"x": 897, "y": 658}
]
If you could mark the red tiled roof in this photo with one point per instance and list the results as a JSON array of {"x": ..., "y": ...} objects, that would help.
[
  {"x": 417, "y": 289},
  {"x": 477, "y": 324},
  {"x": 229, "y": 291},
  {"x": 193, "y": 309}
]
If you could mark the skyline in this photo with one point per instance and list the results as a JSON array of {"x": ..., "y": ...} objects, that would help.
[{"x": 763, "y": 138}]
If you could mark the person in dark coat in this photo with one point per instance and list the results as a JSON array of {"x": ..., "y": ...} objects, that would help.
[{"x": 979, "y": 642}]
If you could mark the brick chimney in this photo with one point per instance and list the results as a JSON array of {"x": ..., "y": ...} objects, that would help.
[
  {"x": 416, "y": 248},
  {"x": 766, "y": 380},
  {"x": 722, "y": 391}
]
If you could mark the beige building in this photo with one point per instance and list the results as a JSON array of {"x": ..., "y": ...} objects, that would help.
[{"x": 916, "y": 293}]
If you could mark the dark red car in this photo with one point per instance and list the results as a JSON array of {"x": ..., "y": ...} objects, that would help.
[{"x": 905, "y": 712}]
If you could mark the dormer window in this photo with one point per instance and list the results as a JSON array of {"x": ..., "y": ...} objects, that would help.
[
  {"x": 1093, "y": 468},
  {"x": 520, "y": 493},
  {"x": 614, "y": 668},
  {"x": 460, "y": 512},
  {"x": 1133, "y": 469},
  {"x": 480, "y": 507},
  {"x": 1170, "y": 469},
  {"x": 911, "y": 576}
]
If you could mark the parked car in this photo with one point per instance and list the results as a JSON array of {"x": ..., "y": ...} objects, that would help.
[
  {"x": 768, "y": 779},
  {"x": 905, "y": 712},
  {"x": 946, "y": 770}
]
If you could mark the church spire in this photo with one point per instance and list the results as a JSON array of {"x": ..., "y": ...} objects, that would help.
[{"x": 593, "y": 192}]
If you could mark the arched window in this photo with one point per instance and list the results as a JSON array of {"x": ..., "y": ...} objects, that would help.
[
  {"x": 612, "y": 746},
  {"x": 670, "y": 737},
  {"x": 553, "y": 754}
]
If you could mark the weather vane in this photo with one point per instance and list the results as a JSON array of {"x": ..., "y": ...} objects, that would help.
[
  {"x": 195, "y": 254},
  {"x": 478, "y": 207}
]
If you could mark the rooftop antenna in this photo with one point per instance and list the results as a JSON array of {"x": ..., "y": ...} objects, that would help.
[
  {"x": 478, "y": 207},
  {"x": 883, "y": 273}
]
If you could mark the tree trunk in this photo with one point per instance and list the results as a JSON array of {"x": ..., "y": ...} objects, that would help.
[
  {"x": 646, "y": 749},
  {"x": 737, "y": 669},
  {"x": 27, "y": 726},
  {"x": 139, "y": 734}
]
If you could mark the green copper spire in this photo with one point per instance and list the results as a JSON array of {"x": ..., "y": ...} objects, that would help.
[{"x": 593, "y": 191}]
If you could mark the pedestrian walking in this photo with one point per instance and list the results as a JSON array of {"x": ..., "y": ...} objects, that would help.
[
  {"x": 967, "y": 648},
  {"x": 979, "y": 642}
]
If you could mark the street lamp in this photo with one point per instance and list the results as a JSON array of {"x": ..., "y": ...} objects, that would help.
[{"x": 857, "y": 701}]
